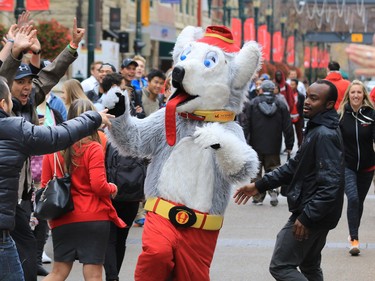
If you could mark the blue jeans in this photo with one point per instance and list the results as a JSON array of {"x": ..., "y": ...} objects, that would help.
[
  {"x": 357, "y": 185},
  {"x": 10, "y": 265}
]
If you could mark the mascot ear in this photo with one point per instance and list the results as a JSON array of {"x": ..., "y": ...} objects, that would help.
[
  {"x": 187, "y": 35},
  {"x": 247, "y": 62}
]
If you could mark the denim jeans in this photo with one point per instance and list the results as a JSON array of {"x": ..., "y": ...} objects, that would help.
[
  {"x": 357, "y": 185},
  {"x": 10, "y": 265}
]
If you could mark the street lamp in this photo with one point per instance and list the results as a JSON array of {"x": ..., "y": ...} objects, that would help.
[
  {"x": 296, "y": 26},
  {"x": 256, "y": 5},
  {"x": 269, "y": 16},
  {"x": 283, "y": 20}
]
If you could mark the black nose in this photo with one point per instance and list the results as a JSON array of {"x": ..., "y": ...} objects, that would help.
[{"x": 177, "y": 76}]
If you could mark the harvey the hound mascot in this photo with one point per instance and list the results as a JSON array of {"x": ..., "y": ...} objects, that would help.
[{"x": 197, "y": 151}]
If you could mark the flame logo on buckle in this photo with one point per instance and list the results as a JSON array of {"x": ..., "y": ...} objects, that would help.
[{"x": 182, "y": 216}]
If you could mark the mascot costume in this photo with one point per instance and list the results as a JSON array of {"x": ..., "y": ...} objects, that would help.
[{"x": 198, "y": 153}]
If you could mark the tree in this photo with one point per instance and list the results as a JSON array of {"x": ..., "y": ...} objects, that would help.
[{"x": 53, "y": 38}]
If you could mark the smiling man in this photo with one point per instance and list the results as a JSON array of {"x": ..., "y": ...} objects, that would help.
[{"x": 315, "y": 179}]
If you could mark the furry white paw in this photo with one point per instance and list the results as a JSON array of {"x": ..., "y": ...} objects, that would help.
[
  {"x": 110, "y": 99},
  {"x": 208, "y": 136}
]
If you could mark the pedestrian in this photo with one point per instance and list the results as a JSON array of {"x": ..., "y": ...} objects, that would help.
[
  {"x": 334, "y": 76},
  {"x": 315, "y": 178},
  {"x": 72, "y": 90},
  {"x": 82, "y": 233},
  {"x": 266, "y": 121},
  {"x": 357, "y": 124},
  {"x": 19, "y": 139}
]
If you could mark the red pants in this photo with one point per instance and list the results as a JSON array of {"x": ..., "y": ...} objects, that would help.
[{"x": 171, "y": 253}]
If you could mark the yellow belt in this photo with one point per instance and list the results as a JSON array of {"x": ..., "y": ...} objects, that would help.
[{"x": 163, "y": 208}]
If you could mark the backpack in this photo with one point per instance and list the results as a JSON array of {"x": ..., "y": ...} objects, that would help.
[{"x": 127, "y": 172}]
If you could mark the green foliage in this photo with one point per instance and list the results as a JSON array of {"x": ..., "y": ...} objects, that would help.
[{"x": 53, "y": 38}]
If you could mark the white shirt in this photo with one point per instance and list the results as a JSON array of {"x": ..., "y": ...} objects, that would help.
[{"x": 90, "y": 84}]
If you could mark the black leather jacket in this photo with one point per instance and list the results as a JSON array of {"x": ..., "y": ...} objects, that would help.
[
  {"x": 19, "y": 139},
  {"x": 315, "y": 175}
]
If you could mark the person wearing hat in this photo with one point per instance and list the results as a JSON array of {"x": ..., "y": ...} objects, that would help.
[
  {"x": 266, "y": 120},
  {"x": 28, "y": 91}
]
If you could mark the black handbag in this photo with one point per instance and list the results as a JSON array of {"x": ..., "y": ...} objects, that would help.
[{"x": 55, "y": 199}]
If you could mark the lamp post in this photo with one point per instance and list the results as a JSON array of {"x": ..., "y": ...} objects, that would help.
[
  {"x": 269, "y": 15},
  {"x": 296, "y": 26},
  {"x": 242, "y": 18},
  {"x": 283, "y": 20},
  {"x": 91, "y": 36},
  {"x": 20, "y": 8},
  {"x": 256, "y": 5}
]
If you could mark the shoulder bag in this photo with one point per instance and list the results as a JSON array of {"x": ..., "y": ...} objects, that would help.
[{"x": 55, "y": 199}]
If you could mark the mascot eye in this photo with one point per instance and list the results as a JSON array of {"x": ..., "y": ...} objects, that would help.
[
  {"x": 210, "y": 60},
  {"x": 185, "y": 53}
]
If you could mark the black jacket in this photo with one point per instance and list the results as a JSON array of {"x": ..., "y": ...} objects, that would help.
[
  {"x": 267, "y": 118},
  {"x": 315, "y": 175},
  {"x": 19, "y": 139},
  {"x": 358, "y": 132}
]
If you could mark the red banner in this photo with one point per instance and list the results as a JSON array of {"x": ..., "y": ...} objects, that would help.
[
  {"x": 278, "y": 47},
  {"x": 236, "y": 31},
  {"x": 6, "y": 5},
  {"x": 307, "y": 57},
  {"x": 249, "y": 30},
  {"x": 315, "y": 57},
  {"x": 290, "y": 50},
  {"x": 264, "y": 41},
  {"x": 37, "y": 5}
]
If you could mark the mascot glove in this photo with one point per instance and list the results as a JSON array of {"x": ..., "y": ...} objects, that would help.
[
  {"x": 209, "y": 135},
  {"x": 110, "y": 99}
]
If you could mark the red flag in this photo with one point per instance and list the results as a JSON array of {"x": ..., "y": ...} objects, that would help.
[
  {"x": 315, "y": 54},
  {"x": 37, "y": 5},
  {"x": 307, "y": 57},
  {"x": 278, "y": 46},
  {"x": 7, "y": 5},
  {"x": 290, "y": 50},
  {"x": 249, "y": 30},
  {"x": 236, "y": 31},
  {"x": 264, "y": 41}
]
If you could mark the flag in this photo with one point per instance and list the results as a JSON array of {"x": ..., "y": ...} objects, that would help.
[
  {"x": 264, "y": 41},
  {"x": 290, "y": 50},
  {"x": 249, "y": 30},
  {"x": 7, "y": 5},
  {"x": 236, "y": 31},
  {"x": 37, "y": 5}
]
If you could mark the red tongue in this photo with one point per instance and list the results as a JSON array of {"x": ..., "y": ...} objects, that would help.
[{"x": 170, "y": 117}]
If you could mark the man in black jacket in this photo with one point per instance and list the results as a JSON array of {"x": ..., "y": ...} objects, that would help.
[
  {"x": 19, "y": 139},
  {"x": 315, "y": 193},
  {"x": 266, "y": 120}
]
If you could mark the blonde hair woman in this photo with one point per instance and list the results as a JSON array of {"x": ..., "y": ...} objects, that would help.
[
  {"x": 72, "y": 90},
  {"x": 357, "y": 117}
]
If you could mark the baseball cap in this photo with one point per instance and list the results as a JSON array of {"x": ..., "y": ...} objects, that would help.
[
  {"x": 127, "y": 62},
  {"x": 24, "y": 70},
  {"x": 267, "y": 86},
  {"x": 265, "y": 76}
]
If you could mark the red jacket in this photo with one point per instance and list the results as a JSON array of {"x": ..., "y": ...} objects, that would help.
[
  {"x": 89, "y": 188},
  {"x": 341, "y": 85}
]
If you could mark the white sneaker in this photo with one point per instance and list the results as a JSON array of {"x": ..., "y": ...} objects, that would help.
[
  {"x": 45, "y": 258},
  {"x": 274, "y": 201}
]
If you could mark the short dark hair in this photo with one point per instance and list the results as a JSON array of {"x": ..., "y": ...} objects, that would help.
[
  {"x": 4, "y": 90},
  {"x": 333, "y": 66},
  {"x": 107, "y": 63},
  {"x": 155, "y": 73},
  {"x": 111, "y": 79},
  {"x": 294, "y": 80},
  {"x": 332, "y": 92}
]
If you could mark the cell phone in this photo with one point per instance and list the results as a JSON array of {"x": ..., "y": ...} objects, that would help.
[{"x": 40, "y": 116}]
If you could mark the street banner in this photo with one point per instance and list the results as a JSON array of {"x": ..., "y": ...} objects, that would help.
[
  {"x": 278, "y": 47},
  {"x": 264, "y": 40},
  {"x": 306, "y": 63},
  {"x": 249, "y": 30},
  {"x": 290, "y": 50},
  {"x": 37, "y": 5},
  {"x": 170, "y": 1},
  {"x": 7, "y": 5},
  {"x": 236, "y": 31},
  {"x": 315, "y": 57}
]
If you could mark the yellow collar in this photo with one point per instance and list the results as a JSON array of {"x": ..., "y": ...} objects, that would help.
[{"x": 216, "y": 115}]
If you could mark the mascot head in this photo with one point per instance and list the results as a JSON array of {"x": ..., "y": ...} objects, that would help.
[{"x": 210, "y": 74}]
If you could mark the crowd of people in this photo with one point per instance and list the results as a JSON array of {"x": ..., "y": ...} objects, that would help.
[{"x": 338, "y": 157}]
